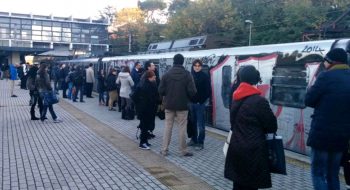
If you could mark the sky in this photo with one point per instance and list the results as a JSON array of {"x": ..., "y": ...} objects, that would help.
[{"x": 63, "y": 8}]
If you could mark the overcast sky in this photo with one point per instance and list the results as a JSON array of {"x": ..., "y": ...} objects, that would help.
[{"x": 65, "y": 8}]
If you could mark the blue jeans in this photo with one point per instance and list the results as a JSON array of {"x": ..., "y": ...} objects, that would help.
[
  {"x": 198, "y": 119},
  {"x": 70, "y": 86},
  {"x": 101, "y": 97},
  {"x": 325, "y": 167}
]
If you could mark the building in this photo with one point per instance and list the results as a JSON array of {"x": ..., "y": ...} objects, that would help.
[{"x": 23, "y": 34}]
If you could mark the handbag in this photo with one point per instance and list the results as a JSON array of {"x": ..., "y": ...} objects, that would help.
[
  {"x": 50, "y": 98},
  {"x": 277, "y": 160}
]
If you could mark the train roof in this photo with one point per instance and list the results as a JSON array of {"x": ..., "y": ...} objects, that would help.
[{"x": 288, "y": 47}]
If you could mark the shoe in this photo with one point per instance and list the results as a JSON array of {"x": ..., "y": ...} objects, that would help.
[
  {"x": 187, "y": 154},
  {"x": 89, "y": 97},
  {"x": 13, "y": 96},
  {"x": 57, "y": 120},
  {"x": 144, "y": 146},
  {"x": 199, "y": 147},
  {"x": 75, "y": 101},
  {"x": 148, "y": 144},
  {"x": 34, "y": 118},
  {"x": 191, "y": 143},
  {"x": 112, "y": 109},
  {"x": 43, "y": 120},
  {"x": 82, "y": 101},
  {"x": 151, "y": 135}
]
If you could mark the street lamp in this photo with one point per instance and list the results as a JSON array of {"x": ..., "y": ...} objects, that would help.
[{"x": 250, "y": 29}]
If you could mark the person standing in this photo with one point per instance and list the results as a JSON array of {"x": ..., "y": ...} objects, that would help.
[
  {"x": 330, "y": 126},
  {"x": 136, "y": 73},
  {"x": 247, "y": 162},
  {"x": 101, "y": 87},
  {"x": 78, "y": 82},
  {"x": 55, "y": 76},
  {"x": 63, "y": 76},
  {"x": 90, "y": 80},
  {"x": 197, "y": 106},
  {"x": 177, "y": 87},
  {"x": 126, "y": 84},
  {"x": 43, "y": 84},
  {"x": 13, "y": 78},
  {"x": 146, "y": 104},
  {"x": 112, "y": 88},
  {"x": 149, "y": 66},
  {"x": 33, "y": 91}
]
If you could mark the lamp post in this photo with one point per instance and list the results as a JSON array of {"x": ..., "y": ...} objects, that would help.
[{"x": 250, "y": 30}]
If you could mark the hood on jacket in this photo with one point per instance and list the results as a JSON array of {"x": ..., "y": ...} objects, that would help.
[
  {"x": 124, "y": 74},
  {"x": 245, "y": 90}
]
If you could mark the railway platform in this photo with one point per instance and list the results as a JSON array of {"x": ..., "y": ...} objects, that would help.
[{"x": 93, "y": 148}]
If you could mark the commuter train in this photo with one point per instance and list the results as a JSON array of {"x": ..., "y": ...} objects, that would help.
[{"x": 286, "y": 70}]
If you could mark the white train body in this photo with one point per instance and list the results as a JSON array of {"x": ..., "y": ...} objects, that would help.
[{"x": 286, "y": 71}]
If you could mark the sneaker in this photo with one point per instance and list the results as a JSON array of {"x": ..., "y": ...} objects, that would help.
[
  {"x": 187, "y": 154},
  {"x": 144, "y": 146},
  {"x": 112, "y": 109},
  {"x": 191, "y": 143},
  {"x": 148, "y": 144},
  {"x": 35, "y": 118},
  {"x": 57, "y": 120},
  {"x": 14, "y": 96},
  {"x": 199, "y": 147}
]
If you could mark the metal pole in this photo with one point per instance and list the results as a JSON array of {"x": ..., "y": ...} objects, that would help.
[
  {"x": 129, "y": 42},
  {"x": 250, "y": 33}
]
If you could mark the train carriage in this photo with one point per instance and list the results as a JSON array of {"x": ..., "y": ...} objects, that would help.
[{"x": 287, "y": 70}]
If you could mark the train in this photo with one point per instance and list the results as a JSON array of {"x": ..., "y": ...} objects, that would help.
[{"x": 286, "y": 70}]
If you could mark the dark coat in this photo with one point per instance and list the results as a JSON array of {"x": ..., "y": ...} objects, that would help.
[
  {"x": 202, "y": 83},
  {"x": 101, "y": 87},
  {"x": 177, "y": 87},
  {"x": 147, "y": 102},
  {"x": 136, "y": 76},
  {"x": 111, "y": 82},
  {"x": 330, "y": 96},
  {"x": 247, "y": 156}
]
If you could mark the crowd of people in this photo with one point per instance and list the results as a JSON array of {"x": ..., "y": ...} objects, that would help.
[{"x": 180, "y": 93}]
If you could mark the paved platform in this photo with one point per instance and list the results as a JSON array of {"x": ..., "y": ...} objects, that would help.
[{"x": 93, "y": 148}]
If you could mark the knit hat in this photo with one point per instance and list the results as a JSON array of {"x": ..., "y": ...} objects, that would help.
[
  {"x": 179, "y": 59},
  {"x": 336, "y": 56},
  {"x": 249, "y": 75}
]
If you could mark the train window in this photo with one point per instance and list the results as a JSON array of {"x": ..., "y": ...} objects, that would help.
[
  {"x": 201, "y": 41},
  {"x": 154, "y": 46},
  {"x": 193, "y": 42},
  {"x": 226, "y": 85},
  {"x": 288, "y": 86}
]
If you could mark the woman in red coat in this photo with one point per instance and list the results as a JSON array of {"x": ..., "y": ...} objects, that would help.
[{"x": 251, "y": 119}]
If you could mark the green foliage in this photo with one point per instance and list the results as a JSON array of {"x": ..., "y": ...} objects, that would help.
[{"x": 202, "y": 17}]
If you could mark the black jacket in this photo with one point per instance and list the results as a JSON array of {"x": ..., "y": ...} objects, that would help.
[
  {"x": 111, "y": 82},
  {"x": 101, "y": 87},
  {"x": 177, "y": 87},
  {"x": 147, "y": 99},
  {"x": 247, "y": 156},
  {"x": 330, "y": 98},
  {"x": 202, "y": 83}
]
